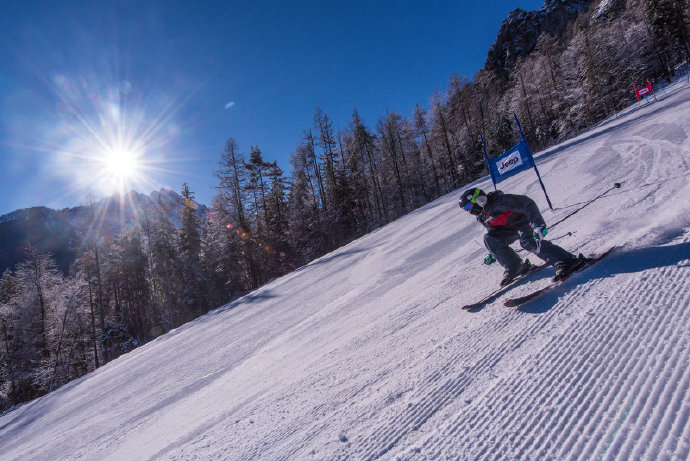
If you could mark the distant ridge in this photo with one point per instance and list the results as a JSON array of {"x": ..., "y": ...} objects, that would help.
[{"x": 60, "y": 232}]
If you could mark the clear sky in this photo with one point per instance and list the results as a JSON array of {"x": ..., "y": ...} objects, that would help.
[{"x": 142, "y": 95}]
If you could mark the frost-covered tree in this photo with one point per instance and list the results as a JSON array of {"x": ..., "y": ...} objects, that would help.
[
  {"x": 396, "y": 180},
  {"x": 441, "y": 139},
  {"x": 188, "y": 259},
  {"x": 363, "y": 151},
  {"x": 306, "y": 230},
  {"x": 221, "y": 260},
  {"x": 669, "y": 25},
  {"x": 231, "y": 175}
]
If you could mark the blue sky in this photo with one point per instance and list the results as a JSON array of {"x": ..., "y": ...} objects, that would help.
[{"x": 169, "y": 82}]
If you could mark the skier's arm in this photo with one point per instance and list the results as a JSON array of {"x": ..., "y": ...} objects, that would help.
[{"x": 525, "y": 205}]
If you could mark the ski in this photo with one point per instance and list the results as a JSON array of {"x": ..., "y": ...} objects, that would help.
[
  {"x": 494, "y": 294},
  {"x": 514, "y": 302}
]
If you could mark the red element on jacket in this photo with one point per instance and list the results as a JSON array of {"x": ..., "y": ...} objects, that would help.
[{"x": 500, "y": 220}]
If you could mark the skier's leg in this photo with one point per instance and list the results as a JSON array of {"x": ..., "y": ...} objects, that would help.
[
  {"x": 498, "y": 243},
  {"x": 549, "y": 252}
]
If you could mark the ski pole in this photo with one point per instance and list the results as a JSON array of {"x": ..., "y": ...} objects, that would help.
[{"x": 615, "y": 186}]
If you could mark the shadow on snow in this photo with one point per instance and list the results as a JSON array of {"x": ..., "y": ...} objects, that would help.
[{"x": 619, "y": 262}]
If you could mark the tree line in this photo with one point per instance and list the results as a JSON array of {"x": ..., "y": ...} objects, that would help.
[{"x": 123, "y": 291}]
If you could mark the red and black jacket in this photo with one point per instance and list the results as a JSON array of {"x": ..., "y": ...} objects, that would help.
[{"x": 507, "y": 211}]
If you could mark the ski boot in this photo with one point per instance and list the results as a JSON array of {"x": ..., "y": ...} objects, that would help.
[
  {"x": 511, "y": 274},
  {"x": 567, "y": 266}
]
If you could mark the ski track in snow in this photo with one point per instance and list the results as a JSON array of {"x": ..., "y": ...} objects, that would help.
[
  {"x": 365, "y": 354},
  {"x": 599, "y": 361}
]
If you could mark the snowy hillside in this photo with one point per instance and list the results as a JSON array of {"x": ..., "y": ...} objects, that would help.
[{"x": 365, "y": 353}]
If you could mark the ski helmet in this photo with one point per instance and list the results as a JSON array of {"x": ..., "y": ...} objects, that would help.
[{"x": 473, "y": 200}]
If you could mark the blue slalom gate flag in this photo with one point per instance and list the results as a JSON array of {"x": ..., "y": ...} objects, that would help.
[{"x": 513, "y": 161}]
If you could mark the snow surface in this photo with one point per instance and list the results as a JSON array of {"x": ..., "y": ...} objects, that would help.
[{"x": 365, "y": 353}]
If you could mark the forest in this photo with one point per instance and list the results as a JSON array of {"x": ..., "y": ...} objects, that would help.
[{"x": 123, "y": 291}]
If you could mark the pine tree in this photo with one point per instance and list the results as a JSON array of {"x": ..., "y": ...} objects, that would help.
[
  {"x": 134, "y": 294},
  {"x": 232, "y": 175},
  {"x": 84, "y": 264},
  {"x": 336, "y": 206},
  {"x": 359, "y": 189},
  {"x": 276, "y": 244},
  {"x": 314, "y": 168},
  {"x": 222, "y": 266},
  {"x": 422, "y": 132},
  {"x": 189, "y": 249},
  {"x": 669, "y": 24},
  {"x": 387, "y": 130},
  {"x": 306, "y": 236},
  {"x": 441, "y": 140},
  {"x": 257, "y": 188},
  {"x": 93, "y": 271},
  {"x": 164, "y": 275},
  {"x": 328, "y": 158},
  {"x": 231, "y": 202}
]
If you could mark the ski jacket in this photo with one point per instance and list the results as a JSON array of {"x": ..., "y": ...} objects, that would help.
[{"x": 508, "y": 211}]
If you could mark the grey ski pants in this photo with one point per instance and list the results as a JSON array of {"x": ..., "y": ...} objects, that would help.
[{"x": 498, "y": 242}]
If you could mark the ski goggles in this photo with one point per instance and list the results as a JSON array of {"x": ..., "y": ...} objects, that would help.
[
  {"x": 473, "y": 200},
  {"x": 476, "y": 202}
]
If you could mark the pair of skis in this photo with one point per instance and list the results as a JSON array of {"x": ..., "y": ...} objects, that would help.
[
  {"x": 514, "y": 302},
  {"x": 499, "y": 291}
]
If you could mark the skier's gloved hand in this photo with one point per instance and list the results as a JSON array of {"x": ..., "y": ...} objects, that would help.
[
  {"x": 539, "y": 233},
  {"x": 490, "y": 259}
]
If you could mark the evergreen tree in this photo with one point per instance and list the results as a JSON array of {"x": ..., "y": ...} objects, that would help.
[
  {"x": 93, "y": 271},
  {"x": 306, "y": 233},
  {"x": 387, "y": 130},
  {"x": 134, "y": 294},
  {"x": 84, "y": 265},
  {"x": 276, "y": 244},
  {"x": 164, "y": 275},
  {"x": 231, "y": 203},
  {"x": 336, "y": 207},
  {"x": 231, "y": 176},
  {"x": 222, "y": 271},
  {"x": 189, "y": 264},
  {"x": 422, "y": 133},
  {"x": 257, "y": 189},
  {"x": 441, "y": 142},
  {"x": 669, "y": 24},
  {"x": 364, "y": 145},
  {"x": 328, "y": 158}
]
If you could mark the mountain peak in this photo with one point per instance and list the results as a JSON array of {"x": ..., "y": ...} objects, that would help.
[{"x": 520, "y": 32}]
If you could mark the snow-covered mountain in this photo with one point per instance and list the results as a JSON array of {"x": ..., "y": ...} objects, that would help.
[
  {"x": 521, "y": 30},
  {"x": 365, "y": 353},
  {"x": 59, "y": 232}
]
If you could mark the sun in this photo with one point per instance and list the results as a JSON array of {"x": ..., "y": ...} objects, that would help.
[
  {"x": 107, "y": 142},
  {"x": 120, "y": 168},
  {"x": 120, "y": 163}
]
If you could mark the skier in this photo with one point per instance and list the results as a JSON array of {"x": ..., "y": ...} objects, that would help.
[{"x": 516, "y": 217}]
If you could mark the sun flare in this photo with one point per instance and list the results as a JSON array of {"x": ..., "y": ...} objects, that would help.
[
  {"x": 121, "y": 163},
  {"x": 107, "y": 142}
]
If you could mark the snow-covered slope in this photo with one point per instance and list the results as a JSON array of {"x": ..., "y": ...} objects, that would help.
[{"x": 365, "y": 353}]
